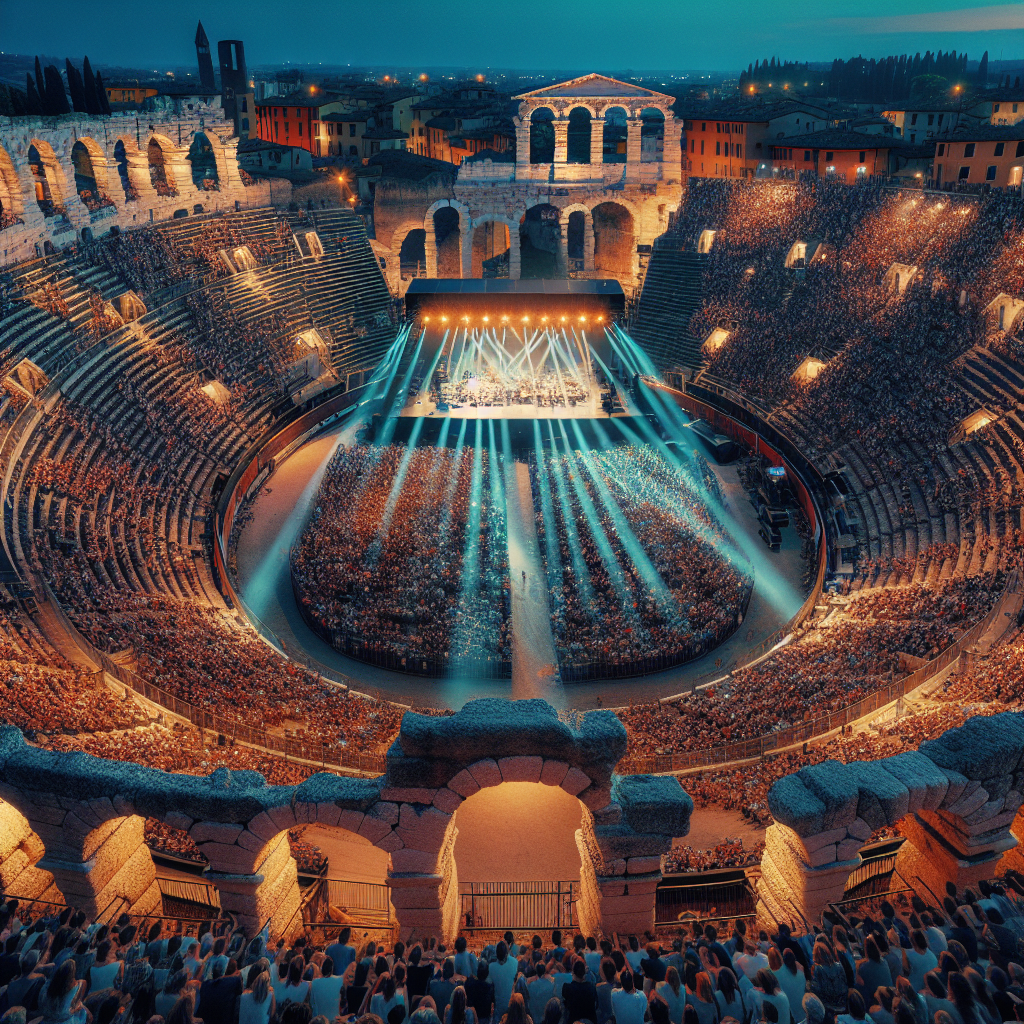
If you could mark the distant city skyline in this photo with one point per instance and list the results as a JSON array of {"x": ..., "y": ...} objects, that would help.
[{"x": 532, "y": 34}]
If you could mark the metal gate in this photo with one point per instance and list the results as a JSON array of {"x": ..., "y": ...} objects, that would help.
[{"x": 488, "y": 906}]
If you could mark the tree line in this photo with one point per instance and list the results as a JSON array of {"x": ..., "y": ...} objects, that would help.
[
  {"x": 45, "y": 94},
  {"x": 884, "y": 80}
]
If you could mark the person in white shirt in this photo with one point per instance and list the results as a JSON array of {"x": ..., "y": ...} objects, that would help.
[
  {"x": 750, "y": 961},
  {"x": 628, "y": 1005}
]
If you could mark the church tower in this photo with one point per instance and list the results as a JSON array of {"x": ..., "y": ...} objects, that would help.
[{"x": 205, "y": 59}]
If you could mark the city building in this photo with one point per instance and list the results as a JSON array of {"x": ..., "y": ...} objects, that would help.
[
  {"x": 1000, "y": 106},
  {"x": 850, "y": 156},
  {"x": 733, "y": 140},
  {"x": 990, "y": 155},
  {"x": 916, "y": 124}
]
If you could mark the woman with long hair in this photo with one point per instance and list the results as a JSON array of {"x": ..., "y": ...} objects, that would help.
[
  {"x": 671, "y": 990},
  {"x": 297, "y": 988},
  {"x": 828, "y": 982},
  {"x": 459, "y": 1011},
  {"x": 184, "y": 1009},
  {"x": 256, "y": 1004},
  {"x": 387, "y": 997},
  {"x": 171, "y": 993},
  {"x": 793, "y": 981},
  {"x": 60, "y": 1001},
  {"x": 703, "y": 1000},
  {"x": 516, "y": 1013},
  {"x": 729, "y": 997}
]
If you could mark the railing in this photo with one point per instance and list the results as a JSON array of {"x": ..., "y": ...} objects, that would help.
[
  {"x": 487, "y": 906},
  {"x": 194, "y": 892},
  {"x": 725, "y": 893},
  {"x": 360, "y": 899}
]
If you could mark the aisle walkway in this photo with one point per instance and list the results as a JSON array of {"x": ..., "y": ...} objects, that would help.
[{"x": 534, "y": 663}]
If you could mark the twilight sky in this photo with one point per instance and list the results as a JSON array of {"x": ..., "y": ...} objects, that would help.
[{"x": 591, "y": 34}]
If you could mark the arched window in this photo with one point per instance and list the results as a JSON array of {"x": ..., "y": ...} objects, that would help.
[
  {"x": 652, "y": 134},
  {"x": 614, "y": 136},
  {"x": 204, "y": 163},
  {"x": 542, "y": 136},
  {"x": 578, "y": 138}
]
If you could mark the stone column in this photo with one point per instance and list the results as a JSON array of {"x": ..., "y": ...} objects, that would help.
[
  {"x": 563, "y": 245},
  {"x": 672, "y": 154},
  {"x": 20, "y": 850},
  {"x": 225, "y": 152},
  {"x": 514, "y": 266},
  {"x": 561, "y": 126},
  {"x": 268, "y": 893},
  {"x": 98, "y": 863},
  {"x": 466, "y": 251},
  {"x": 588, "y": 241},
  {"x": 597, "y": 144},
  {"x": 633, "y": 125},
  {"x": 522, "y": 141},
  {"x": 430, "y": 249},
  {"x": 178, "y": 171},
  {"x": 138, "y": 177}
]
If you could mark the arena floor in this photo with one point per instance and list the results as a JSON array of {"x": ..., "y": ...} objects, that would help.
[{"x": 279, "y": 512}]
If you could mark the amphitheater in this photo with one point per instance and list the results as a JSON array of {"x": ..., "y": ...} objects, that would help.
[{"x": 173, "y": 393}]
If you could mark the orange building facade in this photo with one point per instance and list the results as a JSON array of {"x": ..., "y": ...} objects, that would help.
[
  {"x": 846, "y": 155},
  {"x": 990, "y": 155}
]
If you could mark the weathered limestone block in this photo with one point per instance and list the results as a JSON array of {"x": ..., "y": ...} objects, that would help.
[
  {"x": 794, "y": 805},
  {"x": 835, "y": 785},
  {"x": 653, "y": 803},
  {"x": 553, "y": 772},
  {"x": 407, "y": 794},
  {"x": 522, "y": 768},
  {"x": 464, "y": 784},
  {"x": 486, "y": 773},
  {"x": 422, "y": 828},
  {"x": 204, "y": 831},
  {"x": 447, "y": 800},
  {"x": 882, "y": 798},
  {"x": 575, "y": 782},
  {"x": 981, "y": 748}
]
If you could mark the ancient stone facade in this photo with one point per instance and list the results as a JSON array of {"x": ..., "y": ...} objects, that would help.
[
  {"x": 88, "y": 813},
  {"x": 633, "y": 198},
  {"x": 955, "y": 800},
  {"x": 76, "y": 177}
]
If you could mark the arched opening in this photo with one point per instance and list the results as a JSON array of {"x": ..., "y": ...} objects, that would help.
[
  {"x": 614, "y": 147},
  {"x": 490, "y": 249},
  {"x": 613, "y": 240},
  {"x": 47, "y": 193},
  {"x": 204, "y": 163},
  {"x": 85, "y": 175},
  {"x": 542, "y": 136},
  {"x": 448, "y": 242},
  {"x": 652, "y": 134},
  {"x": 121, "y": 162},
  {"x": 158, "y": 176},
  {"x": 412, "y": 256},
  {"x": 20, "y": 850},
  {"x": 508, "y": 867},
  {"x": 706, "y": 240},
  {"x": 540, "y": 240},
  {"x": 575, "y": 234},
  {"x": 11, "y": 203},
  {"x": 578, "y": 137}
]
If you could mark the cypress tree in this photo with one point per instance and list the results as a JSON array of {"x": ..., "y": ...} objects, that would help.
[
  {"x": 101, "y": 95},
  {"x": 56, "y": 97},
  {"x": 18, "y": 108},
  {"x": 75, "y": 86},
  {"x": 41, "y": 88},
  {"x": 89, "y": 83},
  {"x": 33, "y": 105}
]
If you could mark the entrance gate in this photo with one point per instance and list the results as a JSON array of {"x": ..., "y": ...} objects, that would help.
[{"x": 490, "y": 906}]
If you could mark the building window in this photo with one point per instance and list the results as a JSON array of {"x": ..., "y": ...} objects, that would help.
[
  {"x": 739, "y": 151},
  {"x": 245, "y": 106},
  {"x": 942, "y": 148},
  {"x": 300, "y": 129},
  {"x": 703, "y": 128},
  {"x": 913, "y": 118},
  {"x": 995, "y": 108},
  {"x": 999, "y": 148},
  {"x": 1015, "y": 108},
  {"x": 990, "y": 173},
  {"x": 807, "y": 156},
  {"x": 245, "y": 124},
  {"x": 969, "y": 149},
  {"x": 931, "y": 120},
  {"x": 351, "y": 131},
  {"x": 701, "y": 147},
  {"x": 692, "y": 145},
  {"x": 861, "y": 156},
  {"x": 965, "y": 173},
  {"x": 830, "y": 156},
  {"x": 718, "y": 149},
  {"x": 718, "y": 127},
  {"x": 1020, "y": 148}
]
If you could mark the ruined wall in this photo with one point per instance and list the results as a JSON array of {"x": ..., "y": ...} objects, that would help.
[
  {"x": 88, "y": 813},
  {"x": 955, "y": 800}
]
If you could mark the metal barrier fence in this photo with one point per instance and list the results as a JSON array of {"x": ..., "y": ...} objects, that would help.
[
  {"x": 489, "y": 906},
  {"x": 360, "y": 899},
  {"x": 194, "y": 892},
  {"x": 705, "y": 896}
]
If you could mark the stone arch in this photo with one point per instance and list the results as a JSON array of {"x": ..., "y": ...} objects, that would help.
[
  {"x": 542, "y": 135},
  {"x": 125, "y": 151},
  {"x": 50, "y": 184},
  {"x": 202, "y": 159},
  {"x": 445, "y": 222},
  {"x": 615, "y": 225},
  {"x": 614, "y": 134},
  {"x": 161, "y": 172},
  {"x": 21, "y": 849},
  {"x": 578, "y": 233},
  {"x": 412, "y": 253},
  {"x": 653, "y": 121},
  {"x": 541, "y": 241},
  {"x": 580, "y": 125},
  {"x": 491, "y": 238},
  {"x": 12, "y": 202},
  {"x": 90, "y": 166}
]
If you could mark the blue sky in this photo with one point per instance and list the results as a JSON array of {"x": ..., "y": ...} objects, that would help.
[{"x": 596, "y": 34}]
